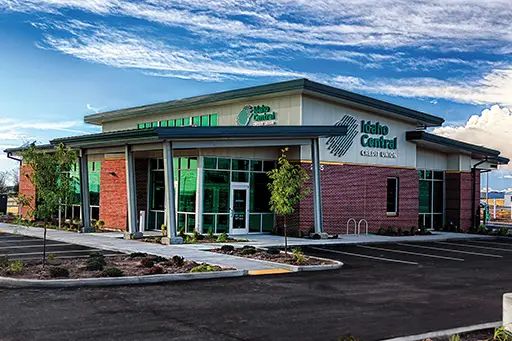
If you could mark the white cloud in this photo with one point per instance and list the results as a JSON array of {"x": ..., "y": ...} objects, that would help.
[{"x": 492, "y": 128}]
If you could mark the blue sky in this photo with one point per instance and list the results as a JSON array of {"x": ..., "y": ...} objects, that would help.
[{"x": 62, "y": 59}]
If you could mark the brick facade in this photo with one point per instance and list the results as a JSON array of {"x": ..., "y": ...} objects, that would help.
[
  {"x": 459, "y": 198},
  {"x": 27, "y": 188},
  {"x": 113, "y": 198},
  {"x": 359, "y": 192}
]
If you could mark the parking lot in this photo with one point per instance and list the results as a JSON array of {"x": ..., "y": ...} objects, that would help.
[{"x": 30, "y": 248}]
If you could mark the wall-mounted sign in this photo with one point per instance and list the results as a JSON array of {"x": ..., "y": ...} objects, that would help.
[
  {"x": 373, "y": 139},
  {"x": 256, "y": 116}
]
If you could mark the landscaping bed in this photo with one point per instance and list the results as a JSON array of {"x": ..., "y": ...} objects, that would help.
[
  {"x": 498, "y": 334},
  {"x": 390, "y": 231},
  {"x": 96, "y": 266},
  {"x": 273, "y": 254},
  {"x": 197, "y": 238}
]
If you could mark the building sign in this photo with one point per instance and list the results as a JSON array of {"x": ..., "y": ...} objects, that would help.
[
  {"x": 373, "y": 139},
  {"x": 260, "y": 115}
]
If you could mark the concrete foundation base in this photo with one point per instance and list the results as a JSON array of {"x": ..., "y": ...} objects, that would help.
[
  {"x": 136, "y": 235},
  {"x": 321, "y": 235},
  {"x": 87, "y": 229},
  {"x": 169, "y": 241},
  {"x": 507, "y": 312}
]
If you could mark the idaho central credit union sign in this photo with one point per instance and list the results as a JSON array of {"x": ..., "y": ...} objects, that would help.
[
  {"x": 260, "y": 115},
  {"x": 373, "y": 139}
]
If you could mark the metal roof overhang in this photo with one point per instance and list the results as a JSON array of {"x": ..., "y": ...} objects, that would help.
[
  {"x": 249, "y": 134},
  {"x": 447, "y": 145}
]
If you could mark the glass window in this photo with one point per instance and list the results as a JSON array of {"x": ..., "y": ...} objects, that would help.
[
  {"x": 428, "y": 175},
  {"x": 141, "y": 125},
  {"x": 214, "y": 120},
  {"x": 438, "y": 175},
  {"x": 148, "y": 125},
  {"x": 210, "y": 162},
  {"x": 425, "y": 193},
  {"x": 240, "y": 177},
  {"x": 192, "y": 162},
  {"x": 267, "y": 222},
  {"x": 392, "y": 196},
  {"x": 256, "y": 165},
  {"x": 176, "y": 162},
  {"x": 196, "y": 120},
  {"x": 255, "y": 223},
  {"x": 157, "y": 191},
  {"x": 437, "y": 197},
  {"x": 191, "y": 223},
  {"x": 186, "y": 121},
  {"x": 216, "y": 191},
  {"x": 222, "y": 223},
  {"x": 182, "y": 217},
  {"x": 163, "y": 124},
  {"x": 187, "y": 191},
  {"x": 259, "y": 194},
  {"x": 184, "y": 163},
  {"x": 421, "y": 174},
  {"x": 171, "y": 123},
  {"x": 179, "y": 122},
  {"x": 268, "y": 165},
  {"x": 205, "y": 121},
  {"x": 208, "y": 222},
  {"x": 155, "y": 124},
  {"x": 240, "y": 164},
  {"x": 224, "y": 163}
]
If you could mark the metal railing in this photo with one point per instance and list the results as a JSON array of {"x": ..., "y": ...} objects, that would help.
[{"x": 355, "y": 225}]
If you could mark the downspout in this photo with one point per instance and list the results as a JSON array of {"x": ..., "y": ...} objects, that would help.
[
  {"x": 473, "y": 193},
  {"x": 9, "y": 156}
]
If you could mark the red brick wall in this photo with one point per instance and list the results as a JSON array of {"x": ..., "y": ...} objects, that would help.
[
  {"x": 113, "y": 198},
  {"x": 459, "y": 198},
  {"x": 355, "y": 191},
  {"x": 27, "y": 188}
]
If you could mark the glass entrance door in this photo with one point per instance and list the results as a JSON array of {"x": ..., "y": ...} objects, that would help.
[{"x": 239, "y": 208}]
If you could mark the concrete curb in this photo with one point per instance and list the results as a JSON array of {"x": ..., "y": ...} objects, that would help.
[
  {"x": 6, "y": 282},
  {"x": 448, "y": 332}
]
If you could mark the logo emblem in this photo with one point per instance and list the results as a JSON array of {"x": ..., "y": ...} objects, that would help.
[
  {"x": 244, "y": 117},
  {"x": 339, "y": 145}
]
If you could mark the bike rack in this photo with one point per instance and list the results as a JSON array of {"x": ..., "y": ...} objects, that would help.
[
  {"x": 355, "y": 225},
  {"x": 359, "y": 227}
]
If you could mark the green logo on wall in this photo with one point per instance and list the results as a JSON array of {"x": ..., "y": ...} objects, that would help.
[{"x": 256, "y": 116}]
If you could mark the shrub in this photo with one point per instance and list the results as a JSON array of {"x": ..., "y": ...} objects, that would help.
[
  {"x": 455, "y": 337},
  {"x": 482, "y": 229},
  {"x": 390, "y": 231},
  {"x": 181, "y": 233},
  {"x": 380, "y": 231},
  {"x": 298, "y": 255},
  {"x": 98, "y": 256},
  {"x": 158, "y": 259},
  {"x": 413, "y": 230},
  {"x": 16, "y": 267},
  {"x": 52, "y": 256},
  {"x": 137, "y": 255},
  {"x": 399, "y": 231},
  {"x": 227, "y": 248},
  {"x": 163, "y": 229},
  {"x": 147, "y": 262},
  {"x": 190, "y": 240},
  {"x": 112, "y": 272},
  {"x": 178, "y": 261},
  {"x": 503, "y": 231},
  {"x": 95, "y": 264},
  {"x": 273, "y": 250},
  {"x": 205, "y": 268},
  {"x": 248, "y": 251},
  {"x": 58, "y": 271},
  {"x": 100, "y": 224},
  {"x": 156, "y": 270},
  {"x": 210, "y": 233},
  {"x": 4, "y": 262},
  {"x": 222, "y": 238}
]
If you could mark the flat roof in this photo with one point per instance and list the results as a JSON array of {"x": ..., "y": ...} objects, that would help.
[
  {"x": 476, "y": 151},
  {"x": 301, "y": 85}
]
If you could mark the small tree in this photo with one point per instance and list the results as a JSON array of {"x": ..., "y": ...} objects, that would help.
[
  {"x": 51, "y": 180},
  {"x": 286, "y": 189}
]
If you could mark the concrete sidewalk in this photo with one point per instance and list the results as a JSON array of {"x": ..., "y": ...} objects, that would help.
[{"x": 128, "y": 246}]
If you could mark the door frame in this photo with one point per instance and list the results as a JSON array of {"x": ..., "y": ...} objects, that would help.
[{"x": 239, "y": 186}]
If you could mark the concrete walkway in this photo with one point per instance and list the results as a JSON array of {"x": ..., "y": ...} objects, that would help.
[{"x": 128, "y": 246}]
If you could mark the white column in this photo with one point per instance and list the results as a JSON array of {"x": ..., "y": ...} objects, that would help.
[
  {"x": 85, "y": 209},
  {"x": 317, "y": 189},
  {"x": 131, "y": 190},
  {"x": 507, "y": 312},
  {"x": 170, "y": 207}
]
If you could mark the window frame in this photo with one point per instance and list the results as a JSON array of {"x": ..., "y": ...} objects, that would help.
[{"x": 392, "y": 213}]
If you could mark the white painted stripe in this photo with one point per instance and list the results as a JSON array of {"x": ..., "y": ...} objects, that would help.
[
  {"x": 64, "y": 257},
  {"x": 451, "y": 250},
  {"x": 487, "y": 242},
  {"x": 21, "y": 241},
  {"x": 365, "y": 256},
  {"x": 30, "y": 246},
  {"x": 475, "y": 246},
  {"x": 39, "y": 252},
  {"x": 411, "y": 253}
]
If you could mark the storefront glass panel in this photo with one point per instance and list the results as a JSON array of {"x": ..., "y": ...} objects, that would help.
[{"x": 431, "y": 199}]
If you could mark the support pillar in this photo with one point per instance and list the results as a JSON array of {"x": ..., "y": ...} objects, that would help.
[
  {"x": 84, "y": 193},
  {"x": 131, "y": 190},
  {"x": 507, "y": 312},
  {"x": 170, "y": 207},
  {"x": 317, "y": 190}
]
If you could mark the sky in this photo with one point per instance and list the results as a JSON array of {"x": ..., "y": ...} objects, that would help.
[{"x": 63, "y": 59}]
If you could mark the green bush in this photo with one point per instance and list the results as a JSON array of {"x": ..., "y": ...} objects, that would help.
[
  {"x": 298, "y": 255},
  {"x": 112, "y": 272},
  {"x": 100, "y": 224},
  {"x": 16, "y": 267},
  {"x": 503, "y": 231},
  {"x": 181, "y": 233},
  {"x": 197, "y": 236},
  {"x": 4, "y": 262},
  {"x": 137, "y": 255},
  {"x": 52, "y": 256},
  {"x": 163, "y": 229},
  {"x": 190, "y": 240},
  {"x": 248, "y": 251},
  {"x": 156, "y": 270},
  {"x": 273, "y": 250},
  {"x": 58, "y": 271},
  {"x": 95, "y": 264},
  {"x": 227, "y": 248},
  {"x": 390, "y": 231},
  {"x": 178, "y": 261},
  {"x": 98, "y": 256},
  {"x": 482, "y": 229},
  {"x": 205, "y": 268},
  {"x": 222, "y": 238},
  {"x": 158, "y": 259},
  {"x": 147, "y": 262},
  {"x": 210, "y": 233},
  {"x": 413, "y": 230}
]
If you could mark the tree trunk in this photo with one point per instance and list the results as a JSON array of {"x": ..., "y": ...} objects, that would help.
[
  {"x": 44, "y": 243},
  {"x": 285, "y": 238}
]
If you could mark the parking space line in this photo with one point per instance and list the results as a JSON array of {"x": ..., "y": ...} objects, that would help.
[
  {"x": 487, "y": 242},
  {"x": 450, "y": 250},
  {"x": 39, "y": 252},
  {"x": 410, "y": 253},
  {"x": 30, "y": 246},
  {"x": 366, "y": 256},
  {"x": 476, "y": 246},
  {"x": 20, "y": 241},
  {"x": 65, "y": 257}
]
